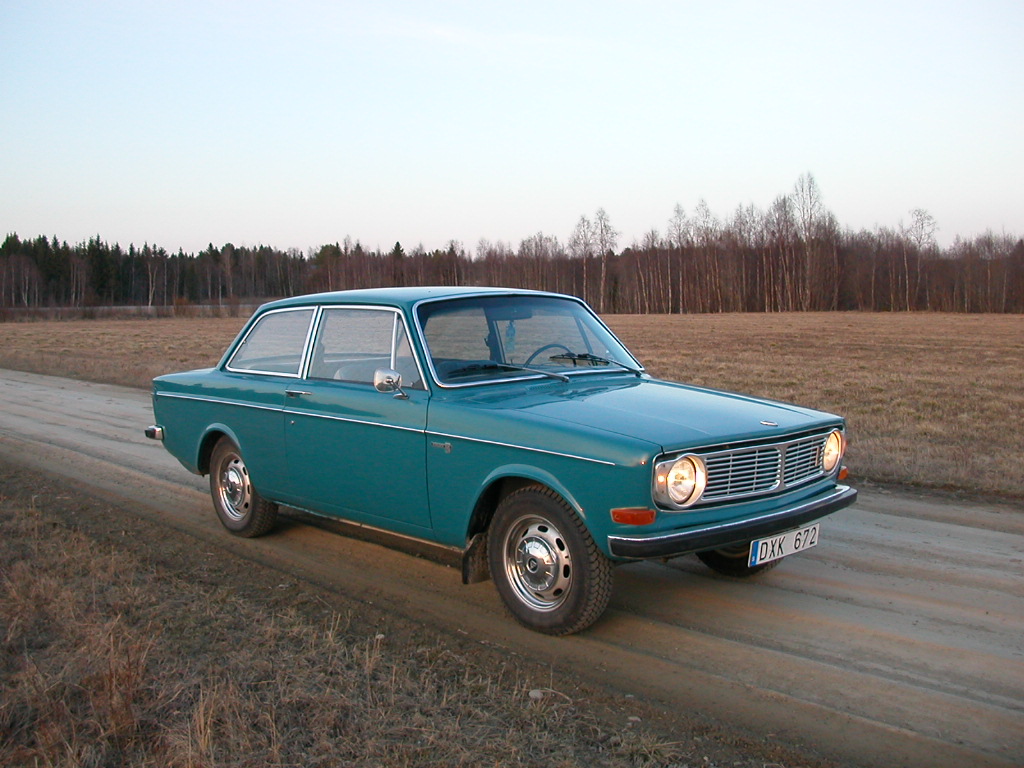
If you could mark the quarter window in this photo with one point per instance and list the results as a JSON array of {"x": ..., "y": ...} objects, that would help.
[{"x": 275, "y": 344}]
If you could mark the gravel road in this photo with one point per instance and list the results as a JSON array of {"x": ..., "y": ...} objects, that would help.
[{"x": 899, "y": 640}]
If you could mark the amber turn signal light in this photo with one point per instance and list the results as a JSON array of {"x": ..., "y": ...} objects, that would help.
[
  {"x": 843, "y": 473},
  {"x": 634, "y": 516}
]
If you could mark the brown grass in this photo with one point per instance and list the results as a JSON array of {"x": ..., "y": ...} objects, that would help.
[
  {"x": 106, "y": 660},
  {"x": 129, "y": 352},
  {"x": 932, "y": 400}
]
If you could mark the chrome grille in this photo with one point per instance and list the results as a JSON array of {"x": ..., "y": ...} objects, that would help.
[
  {"x": 762, "y": 469},
  {"x": 742, "y": 472},
  {"x": 803, "y": 459}
]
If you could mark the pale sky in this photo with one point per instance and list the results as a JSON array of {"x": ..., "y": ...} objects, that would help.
[{"x": 294, "y": 124}]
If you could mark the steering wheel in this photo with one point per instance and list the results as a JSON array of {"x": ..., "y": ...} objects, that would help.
[{"x": 544, "y": 349}]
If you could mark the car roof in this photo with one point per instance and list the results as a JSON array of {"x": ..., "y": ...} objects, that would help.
[{"x": 406, "y": 297}]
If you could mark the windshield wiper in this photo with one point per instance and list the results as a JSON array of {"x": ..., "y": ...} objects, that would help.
[
  {"x": 586, "y": 357},
  {"x": 472, "y": 368}
]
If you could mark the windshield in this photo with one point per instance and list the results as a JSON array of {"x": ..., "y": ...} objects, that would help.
[{"x": 499, "y": 337}]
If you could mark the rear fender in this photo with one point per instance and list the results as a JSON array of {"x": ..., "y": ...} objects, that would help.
[{"x": 209, "y": 439}]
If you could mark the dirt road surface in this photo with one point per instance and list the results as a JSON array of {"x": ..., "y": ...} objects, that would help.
[{"x": 898, "y": 641}]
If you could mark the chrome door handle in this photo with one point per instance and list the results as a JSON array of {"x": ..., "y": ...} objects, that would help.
[{"x": 296, "y": 392}]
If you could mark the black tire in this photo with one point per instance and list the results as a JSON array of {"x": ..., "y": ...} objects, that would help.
[
  {"x": 732, "y": 561},
  {"x": 547, "y": 568},
  {"x": 240, "y": 508}
]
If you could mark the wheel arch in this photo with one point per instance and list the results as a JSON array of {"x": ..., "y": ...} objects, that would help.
[
  {"x": 209, "y": 439},
  {"x": 498, "y": 485},
  {"x": 501, "y": 482}
]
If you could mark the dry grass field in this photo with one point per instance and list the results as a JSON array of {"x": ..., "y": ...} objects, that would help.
[
  {"x": 121, "y": 645},
  {"x": 932, "y": 400}
]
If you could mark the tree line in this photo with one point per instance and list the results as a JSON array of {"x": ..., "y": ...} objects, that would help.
[{"x": 793, "y": 256}]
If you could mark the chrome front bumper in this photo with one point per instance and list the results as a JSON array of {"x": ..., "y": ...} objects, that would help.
[{"x": 718, "y": 535}]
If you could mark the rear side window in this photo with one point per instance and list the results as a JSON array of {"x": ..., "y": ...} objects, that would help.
[{"x": 275, "y": 344}]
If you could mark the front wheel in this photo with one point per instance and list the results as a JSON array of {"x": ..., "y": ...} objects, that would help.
[
  {"x": 240, "y": 508},
  {"x": 732, "y": 561},
  {"x": 547, "y": 568}
]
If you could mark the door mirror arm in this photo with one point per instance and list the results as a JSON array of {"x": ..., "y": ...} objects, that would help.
[{"x": 387, "y": 380}]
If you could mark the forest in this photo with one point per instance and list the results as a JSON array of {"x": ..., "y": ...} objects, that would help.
[{"x": 793, "y": 256}]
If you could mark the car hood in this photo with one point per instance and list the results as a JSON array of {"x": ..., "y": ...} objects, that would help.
[{"x": 673, "y": 416}]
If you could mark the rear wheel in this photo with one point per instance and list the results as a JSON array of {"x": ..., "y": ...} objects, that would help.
[
  {"x": 547, "y": 568},
  {"x": 732, "y": 561},
  {"x": 240, "y": 508}
]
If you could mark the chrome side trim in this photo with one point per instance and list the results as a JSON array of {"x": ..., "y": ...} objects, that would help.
[
  {"x": 219, "y": 401},
  {"x": 349, "y": 420},
  {"x": 227, "y": 401},
  {"x": 521, "y": 448},
  {"x": 240, "y": 404}
]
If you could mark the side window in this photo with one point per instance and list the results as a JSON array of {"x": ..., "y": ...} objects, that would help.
[
  {"x": 275, "y": 344},
  {"x": 351, "y": 344}
]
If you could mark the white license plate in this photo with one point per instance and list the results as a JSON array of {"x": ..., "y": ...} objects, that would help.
[{"x": 783, "y": 544}]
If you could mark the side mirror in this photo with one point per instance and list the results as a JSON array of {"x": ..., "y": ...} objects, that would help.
[{"x": 386, "y": 380}]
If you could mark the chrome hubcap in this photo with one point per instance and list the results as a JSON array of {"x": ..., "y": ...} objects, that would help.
[
  {"x": 235, "y": 492},
  {"x": 538, "y": 563}
]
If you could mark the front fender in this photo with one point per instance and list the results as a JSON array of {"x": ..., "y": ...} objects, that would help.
[{"x": 537, "y": 475}]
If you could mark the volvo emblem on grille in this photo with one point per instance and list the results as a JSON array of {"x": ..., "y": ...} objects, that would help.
[{"x": 769, "y": 423}]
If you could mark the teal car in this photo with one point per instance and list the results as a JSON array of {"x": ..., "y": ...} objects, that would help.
[{"x": 509, "y": 425}]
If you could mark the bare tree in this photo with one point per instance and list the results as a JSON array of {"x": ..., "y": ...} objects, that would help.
[
  {"x": 678, "y": 240},
  {"x": 605, "y": 238},
  {"x": 705, "y": 235},
  {"x": 780, "y": 267},
  {"x": 537, "y": 255},
  {"x": 809, "y": 212},
  {"x": 581, "y": 246},
  {"x": 922, "y": 234}
]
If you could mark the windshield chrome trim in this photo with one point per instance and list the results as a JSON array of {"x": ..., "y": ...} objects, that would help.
[{"x": 531, "y": 377}]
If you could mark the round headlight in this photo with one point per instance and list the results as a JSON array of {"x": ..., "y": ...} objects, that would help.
[
  {"x": 685, "y": 480},
  {"x": 833, "y": 451}
]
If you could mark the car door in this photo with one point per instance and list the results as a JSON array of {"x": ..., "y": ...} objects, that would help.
[
  {"x": 249, "y": 397},
  {"x": 353, "y": 451}
]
